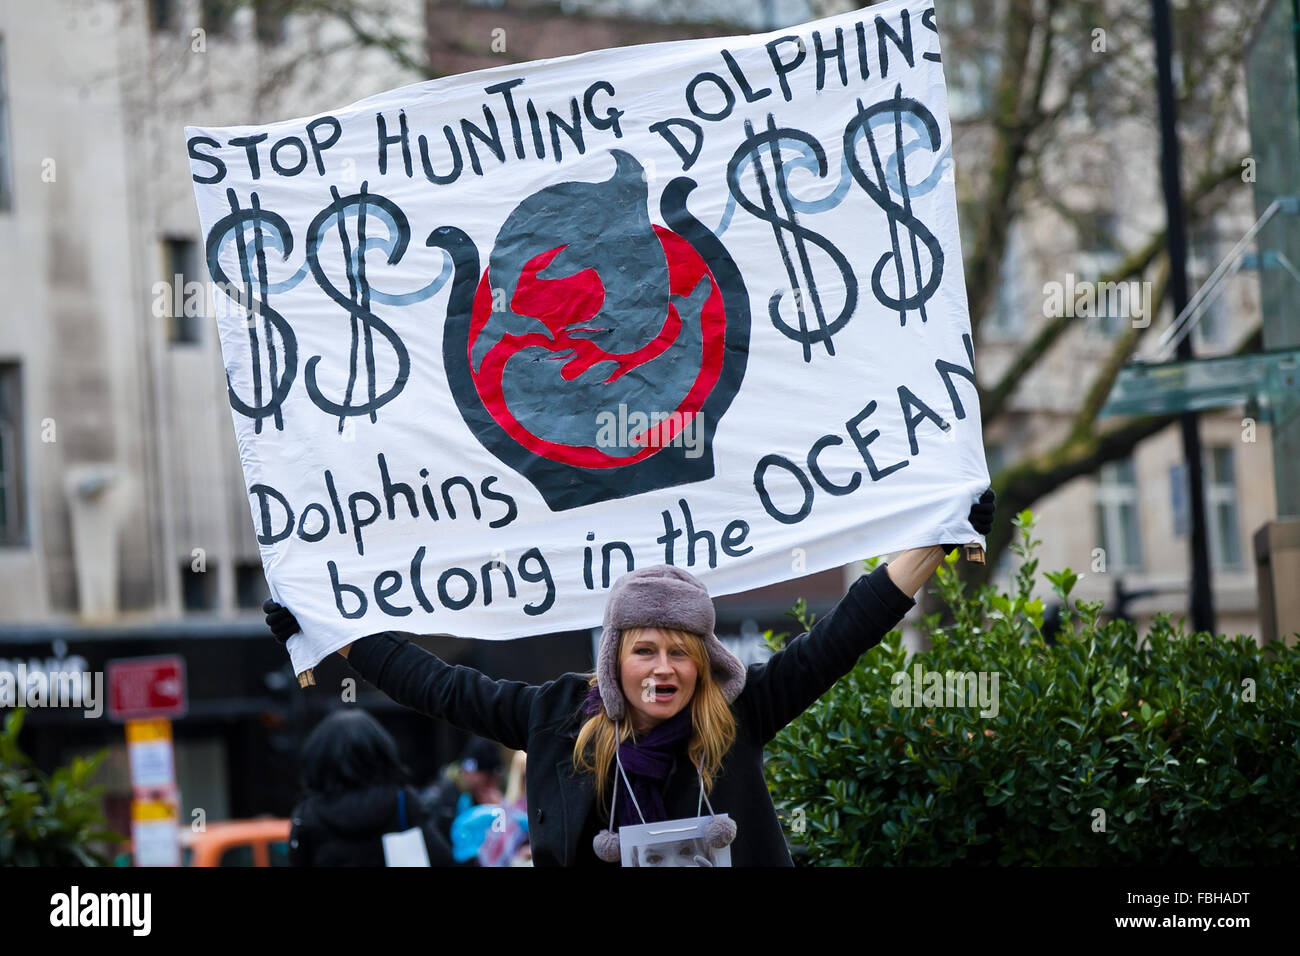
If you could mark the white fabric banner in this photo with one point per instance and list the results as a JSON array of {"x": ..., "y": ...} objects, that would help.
[{"x": 494, "y": 339}]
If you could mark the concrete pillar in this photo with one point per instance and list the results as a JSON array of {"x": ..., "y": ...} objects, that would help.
[
  {"x": 93, "y": 506},
  {"x": 1277, "y": 576}
]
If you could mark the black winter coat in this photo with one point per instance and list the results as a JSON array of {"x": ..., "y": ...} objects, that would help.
[
  {"x": 347, "y": 829},
  {"x": 544, "y": 720}
]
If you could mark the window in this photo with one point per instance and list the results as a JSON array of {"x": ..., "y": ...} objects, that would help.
[
  {"x": 184, "y": 310},
  {"x": 6, "y": 193},
  {"x": 1096, "y": 230},
  {"x": 1111, "y": 314},
  {"x": 1219, "y": 475},
  {"x": 1118, "y": 529},
  {"x": 217, "y": 15},
  {"x": 1221, "y": 507},
  {"x": 972, "y": 75},
  {"x": 13, "y": 525},
  {"x": 1008, "y": 316},
  {"x": 1179, "y": 496},
  {"x": 1106, "y": 309},
  {"x": 1096, "y": 99},
  {"x": 970, "y": 86},
  {"x": 250, "y": 587},
  {"x": 162, "y": 14},
  {"x": 270, "y": 21},
  {"x": 198, "y": 588},
  {"x": 995, "y": 457},
  {"x": 1203, "y": 258}
]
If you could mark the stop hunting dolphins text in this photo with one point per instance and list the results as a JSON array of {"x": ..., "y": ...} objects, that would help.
[{"x": 710, "y": 96}]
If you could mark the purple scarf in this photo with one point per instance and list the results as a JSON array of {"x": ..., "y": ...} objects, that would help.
[{"x": 646, "y": 762}]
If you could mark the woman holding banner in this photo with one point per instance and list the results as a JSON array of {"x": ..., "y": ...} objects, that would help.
[{"x": 669, "y": 721}]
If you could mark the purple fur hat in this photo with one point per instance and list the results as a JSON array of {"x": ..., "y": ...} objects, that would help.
[{"x": 668, "y": 597}]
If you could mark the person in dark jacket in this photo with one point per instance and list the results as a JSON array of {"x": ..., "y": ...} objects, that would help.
[
  {"x": 669, "y": 720},
  {"x": 356, "y": 791}
]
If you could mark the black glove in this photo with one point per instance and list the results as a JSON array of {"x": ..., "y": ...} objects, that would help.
[
  {"x": 280, "y": 620},
  {"x": 981, "y": 513},
  {"x": 981, "y": 517}
]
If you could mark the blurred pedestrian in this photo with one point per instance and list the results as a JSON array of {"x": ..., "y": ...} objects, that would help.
[
  {"x": 355, "y": 791},
  {"x": 473, "y": 780},
  {"x": 506, "y": 842}
]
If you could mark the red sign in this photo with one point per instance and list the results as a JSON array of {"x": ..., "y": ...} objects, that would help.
[{"x": 141, "y": 687}]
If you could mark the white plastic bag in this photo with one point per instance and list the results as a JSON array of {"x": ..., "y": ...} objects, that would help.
[{"x": 407, "y": 847}]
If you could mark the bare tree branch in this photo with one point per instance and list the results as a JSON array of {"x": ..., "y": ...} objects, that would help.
[
  {"x": 394, "y": 44},
  {"x": 1081, "y": 453},
  {"x": 1010, "y": 142},
  {"x": 1122, "y": 351},
  {"x": 993, "y": 401}
]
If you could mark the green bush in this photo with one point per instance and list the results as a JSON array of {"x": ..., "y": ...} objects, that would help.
[
  {"x": 1186, "y": 748},
  {"x": 48, "y": 821}
]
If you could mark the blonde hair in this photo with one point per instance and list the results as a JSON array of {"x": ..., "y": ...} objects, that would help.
[{"x": 713, "y": 726}]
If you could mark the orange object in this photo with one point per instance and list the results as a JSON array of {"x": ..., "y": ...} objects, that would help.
[
  {"x": 237, "y": 843},
  {"x": 142, "y": 731}
]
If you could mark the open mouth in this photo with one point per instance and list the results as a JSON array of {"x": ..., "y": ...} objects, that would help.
[{"x": 664, "y": 691}]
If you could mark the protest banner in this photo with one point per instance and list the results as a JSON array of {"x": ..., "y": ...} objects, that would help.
[{"x": 495, "y": 339}]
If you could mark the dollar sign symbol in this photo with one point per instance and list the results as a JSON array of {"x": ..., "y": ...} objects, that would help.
[
  {"x": 273, "y": 323},
  {"x": 899, "y": 214},
  {"x": 753, "y": 151},
  {"x": 357, "y": 301}
]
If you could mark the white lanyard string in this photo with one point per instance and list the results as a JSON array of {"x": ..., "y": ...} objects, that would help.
[
  {"x": 619, "y": 763},
  {"x": 614, "y": 800}
]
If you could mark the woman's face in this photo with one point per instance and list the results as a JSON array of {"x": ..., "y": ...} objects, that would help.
[{"x": 657, "y": 675}]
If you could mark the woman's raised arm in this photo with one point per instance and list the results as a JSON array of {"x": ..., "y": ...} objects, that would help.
[
  {"x": 496, "y": 709},
  {"x": 913, "y": 568},
  {"x": 780, "y": 689},
  {"x": 499, "y": 710}
]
